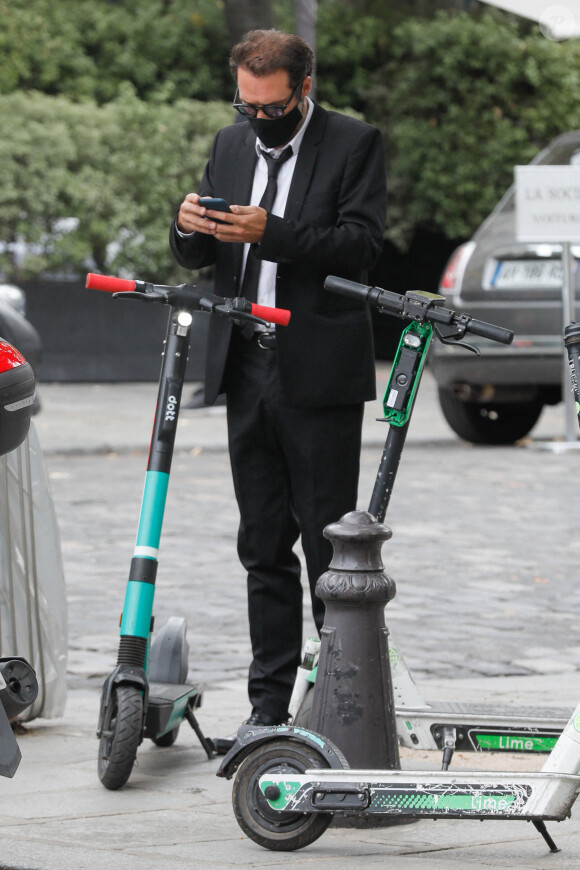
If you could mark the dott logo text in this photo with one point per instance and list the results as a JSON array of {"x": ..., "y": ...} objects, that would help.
[{"x": 170, "y": 409}]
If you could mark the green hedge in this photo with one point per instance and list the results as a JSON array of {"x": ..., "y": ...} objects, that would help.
[
  {"x": 87, "y": 49},
  {"x": 120, "y": 170},
  {"x": 463, "y": 100}
]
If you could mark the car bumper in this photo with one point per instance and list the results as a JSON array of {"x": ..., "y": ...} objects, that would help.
[
  {"x": 534, "y": 360},
  {"x": 530, "y": 363}
]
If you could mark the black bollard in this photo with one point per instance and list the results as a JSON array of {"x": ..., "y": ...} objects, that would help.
[{"x": 353, "y": 701}]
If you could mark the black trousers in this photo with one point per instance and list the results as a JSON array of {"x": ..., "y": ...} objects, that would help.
[{"x": 295, "y": 470}]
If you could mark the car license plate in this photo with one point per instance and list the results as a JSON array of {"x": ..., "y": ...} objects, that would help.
[{"x": 510, "y": 274}]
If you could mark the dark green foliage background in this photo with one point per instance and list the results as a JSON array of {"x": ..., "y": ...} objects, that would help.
[{"x": 108, "y": 109}]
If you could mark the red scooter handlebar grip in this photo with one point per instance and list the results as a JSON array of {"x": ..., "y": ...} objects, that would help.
[
  {"x": 109, "y": 284},
  {"x": 281, "y": 316}
]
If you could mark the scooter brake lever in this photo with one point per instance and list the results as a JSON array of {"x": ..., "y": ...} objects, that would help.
[
  {"x": 244, "y": 315},
  {"x": 454, "y": 339},
  {"x": 226, "y": 310},
  {"x": 155, "y": 296},
  {"x": 239, "y": 317}
]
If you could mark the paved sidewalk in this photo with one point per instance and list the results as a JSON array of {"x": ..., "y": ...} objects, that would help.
[
  {"x": 174, "y": 811},
  {"x": 484, "y": 552},
  {"x": 89, "y": 418}
]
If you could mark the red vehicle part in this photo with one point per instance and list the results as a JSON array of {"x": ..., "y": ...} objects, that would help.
[{"x": 17, "y": 387}]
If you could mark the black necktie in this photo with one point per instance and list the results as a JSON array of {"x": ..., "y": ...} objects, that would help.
[{"x": 253, "y": 264}]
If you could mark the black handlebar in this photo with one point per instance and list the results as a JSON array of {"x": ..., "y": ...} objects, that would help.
[
  {"x": 420, "y": 306},
  {"x": 190, "y": 296},
  {"x": 490, "y": 330}
]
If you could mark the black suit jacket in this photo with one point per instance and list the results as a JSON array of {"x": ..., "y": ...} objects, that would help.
[{"x": 333, "y": 225}]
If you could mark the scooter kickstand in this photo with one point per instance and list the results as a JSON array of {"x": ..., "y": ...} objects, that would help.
[
  {"x": 207, "y": 744},
  {"x": 449, "y": 743},
  {"x": 540, "y": 826}
]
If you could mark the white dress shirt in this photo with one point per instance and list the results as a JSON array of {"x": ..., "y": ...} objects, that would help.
[{"x": 267, "y": 282}]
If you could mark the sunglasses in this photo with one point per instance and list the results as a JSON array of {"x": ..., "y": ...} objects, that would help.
[{"x": 272, "y": 112}]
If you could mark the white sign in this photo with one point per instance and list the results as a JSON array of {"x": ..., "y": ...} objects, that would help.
[{"x": 547, "y": 203}]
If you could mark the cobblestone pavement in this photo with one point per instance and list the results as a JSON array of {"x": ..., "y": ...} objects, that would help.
[{"x": 484, "y": 551}]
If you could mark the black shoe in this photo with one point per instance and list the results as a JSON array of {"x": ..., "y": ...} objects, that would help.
[{"x": 258, "y": 718}]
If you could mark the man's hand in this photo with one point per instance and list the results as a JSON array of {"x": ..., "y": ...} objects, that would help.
[
  {"x": 190, "y": 216},
  {"x": 246, "y": 223}
]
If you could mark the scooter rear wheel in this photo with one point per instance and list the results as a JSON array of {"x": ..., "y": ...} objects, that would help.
[
  {"x": 272, "y": 829},
  {"x": 121, "y": 736}
]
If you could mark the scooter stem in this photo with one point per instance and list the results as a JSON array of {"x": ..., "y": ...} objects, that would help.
[{"x": 137, "y": 612}]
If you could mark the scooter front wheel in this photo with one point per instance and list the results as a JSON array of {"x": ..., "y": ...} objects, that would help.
[
  {"x": 121, "y": 736},
  {"x": 273, "y": 829}
]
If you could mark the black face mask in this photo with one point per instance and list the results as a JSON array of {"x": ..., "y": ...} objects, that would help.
[{"x": 275, "y": 133}]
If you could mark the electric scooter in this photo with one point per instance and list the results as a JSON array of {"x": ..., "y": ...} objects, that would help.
[
  {"x": 433, "y": 724},
  {"x": 147, "y": 694},
  {"x": 291, "y": 782}
]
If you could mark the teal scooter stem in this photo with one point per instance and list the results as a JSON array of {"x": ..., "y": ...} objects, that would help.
[{"x": 147, "y": 694}]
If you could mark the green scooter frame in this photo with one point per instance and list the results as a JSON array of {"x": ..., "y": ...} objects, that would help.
[
  {"x": 431, "y": 724},
  {"x": 147, "y": 694},
  {"x": 291, "y": 782}
]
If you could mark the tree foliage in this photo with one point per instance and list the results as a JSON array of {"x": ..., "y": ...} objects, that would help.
[
  {"x": 355, "y": 38},
  {"x": 351, "y": 44},
  {"x": 88, "y": 186},
  {"x": 88, "y": 50},
  {"x": 462, "y": 100},
  {"x": 110, "y": 108}
]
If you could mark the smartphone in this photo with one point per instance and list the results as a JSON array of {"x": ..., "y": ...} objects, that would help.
[{"x": 215, "y": 204}]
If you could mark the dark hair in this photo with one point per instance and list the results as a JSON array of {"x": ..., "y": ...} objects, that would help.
[{"x": 262, "y": 52}]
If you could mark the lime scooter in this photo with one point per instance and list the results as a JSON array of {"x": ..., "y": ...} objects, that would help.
[
  {"x": 291, "y": 782},
  {"x": 147, "y": 694},
  {"x": 433, "y": 724}
]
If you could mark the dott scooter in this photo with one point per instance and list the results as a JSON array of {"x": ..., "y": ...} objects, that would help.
[
  {"x": 433, "y": 724},
  {"x": 291, "y": 782},
  {"x": 147, "y": 694}
]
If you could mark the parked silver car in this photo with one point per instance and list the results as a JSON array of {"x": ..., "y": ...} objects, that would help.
[{"x": 498, "y": 396}]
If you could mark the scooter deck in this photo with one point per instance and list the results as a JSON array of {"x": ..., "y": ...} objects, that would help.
[
  {"x": 167, "y": 704},
  {"x": 163, "y": 692},
  {"x": 431, "y": 794},
  {"x": 481, "y": 727},
  {"x": 539, "y": 714}
]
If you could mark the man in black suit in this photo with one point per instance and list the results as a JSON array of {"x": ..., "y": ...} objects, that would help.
[{"x": 295, "y": 397}]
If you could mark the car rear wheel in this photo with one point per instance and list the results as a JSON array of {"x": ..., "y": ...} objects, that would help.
[{"x": 489, "y": 423}]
